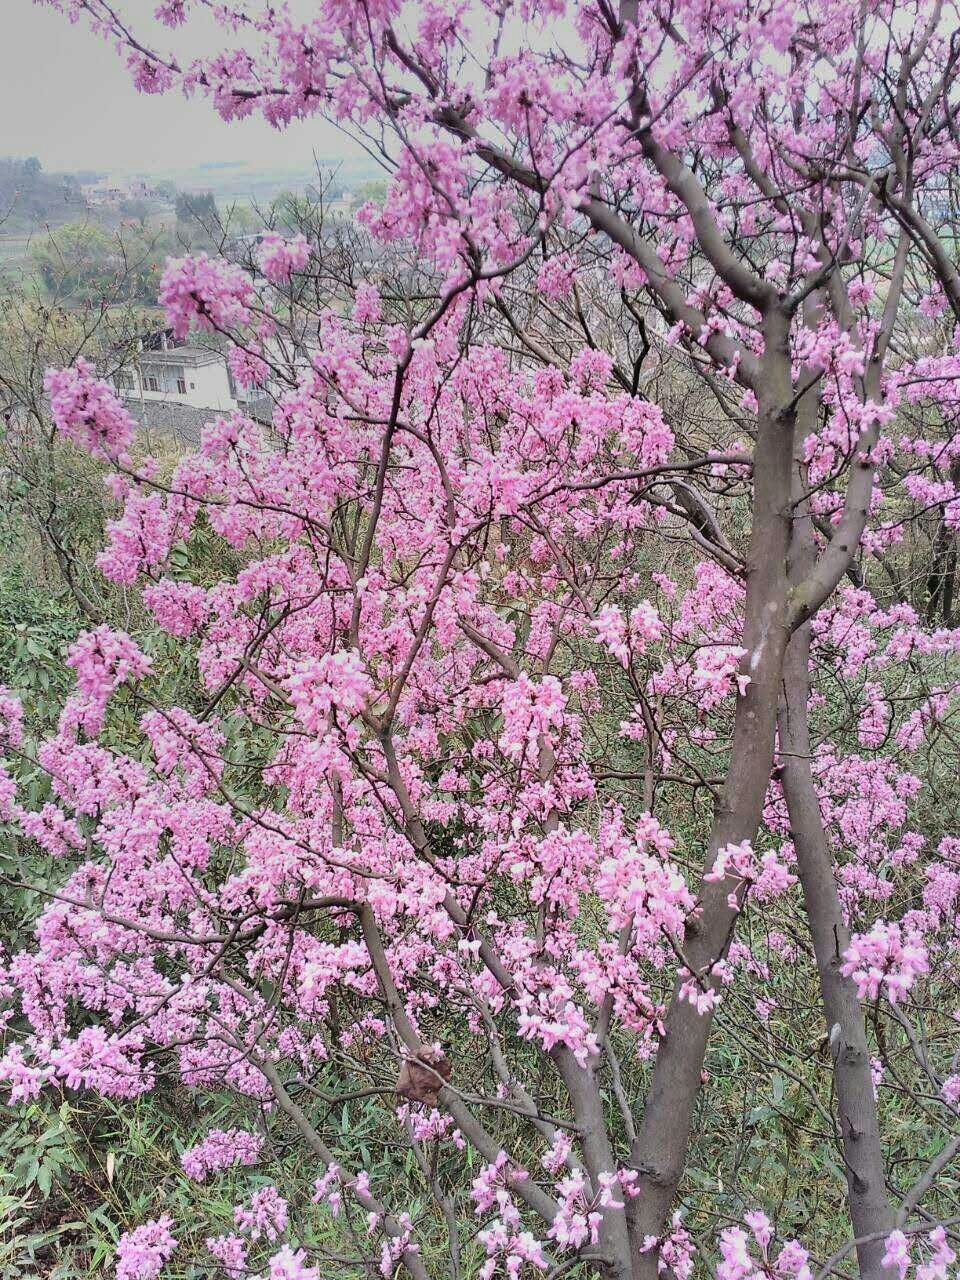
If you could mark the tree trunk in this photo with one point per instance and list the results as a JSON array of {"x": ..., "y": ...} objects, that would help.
[
  {"x": 870, "y": 1211},
  {"x": 660, "y": 1149}
]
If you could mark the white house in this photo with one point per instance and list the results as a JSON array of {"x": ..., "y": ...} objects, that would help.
[{"x": 180, "y": 374}]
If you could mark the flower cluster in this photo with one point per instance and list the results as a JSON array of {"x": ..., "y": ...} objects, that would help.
[
  {"x": 141, "y": 1253},
  {"x": 220, "y": 1149},
  {"x": 11, "y": 719},
  {"x": 206, "y": 293},
  {"x": 102, "y": 660},
  {"x": 886, "y": 960},
  {"x": 765, "y": 877},
  {"x": 738, "y": 1261},
  {"x": 279, "y": 258},
  {"x": 265, "y": 1215},
  {"x": 86, "y": 411}
]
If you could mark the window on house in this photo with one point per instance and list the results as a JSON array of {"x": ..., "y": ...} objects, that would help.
[
  {"x": 182, "y": 386},
  {"x": 152, "y": 383}
]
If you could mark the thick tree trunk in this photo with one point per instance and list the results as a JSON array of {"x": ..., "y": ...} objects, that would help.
[{"x": 660, "y": 1149}]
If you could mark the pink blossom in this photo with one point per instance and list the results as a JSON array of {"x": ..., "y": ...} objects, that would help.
[
  {"x": 747, "y": 1256},
  {"x": 265, "y": 1214},
  {"x": 179, "y": 607},
  {"x": 884, "y": 959},
  {"x": 897, "y": 1254},
  {"x": 336, "y": 680},
  {"x": 290, "y": 1265},
  {"x": 279, "y": 258},
  {"x": 207, "y": 293},
  {"x": 230, "y": 1251},
  {"x": 102, "y": 660},
  {"x": 11, "y": 719},
  {"x": 366, "y": 306},
  {"x": 141, "y": 1253},
  {"x": 86, "y": 410},
  {"x": 220, "y": 1149},
  {"x": 248, "y": 368}
]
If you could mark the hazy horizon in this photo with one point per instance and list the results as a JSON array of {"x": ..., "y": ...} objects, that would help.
[{"x": 66, "y": 98}]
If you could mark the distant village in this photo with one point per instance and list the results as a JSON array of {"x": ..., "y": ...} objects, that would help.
[
  {"x": 172, "y": 387},
  {"x": 110, "y": 193},
  {"x": 105, "y": 193}
]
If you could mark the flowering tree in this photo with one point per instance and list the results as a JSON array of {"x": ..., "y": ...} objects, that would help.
[{"x": 566, "y": 683}]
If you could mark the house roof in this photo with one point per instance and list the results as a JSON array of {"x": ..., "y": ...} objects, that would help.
[{"x": 194, "y": 356}]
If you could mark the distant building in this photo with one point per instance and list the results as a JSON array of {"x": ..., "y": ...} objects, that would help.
[
  {"x": 248, "y": 243},
  {"x": 108, "y": 193},
  {"x": 139, "y": 189},
  {"x": 102, "y": 194}
]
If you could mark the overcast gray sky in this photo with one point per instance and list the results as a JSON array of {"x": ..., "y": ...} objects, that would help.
[{"x": 66, "y": 98}]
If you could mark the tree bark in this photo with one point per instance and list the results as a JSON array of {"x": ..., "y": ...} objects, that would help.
[
  {"x": 660, "y": 1149},
  {"x": 870, "y": 1212}
]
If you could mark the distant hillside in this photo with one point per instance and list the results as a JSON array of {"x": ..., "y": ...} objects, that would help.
[
  {"x": 30, "y": 198},
  {"x": 244, "y": 180}
]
